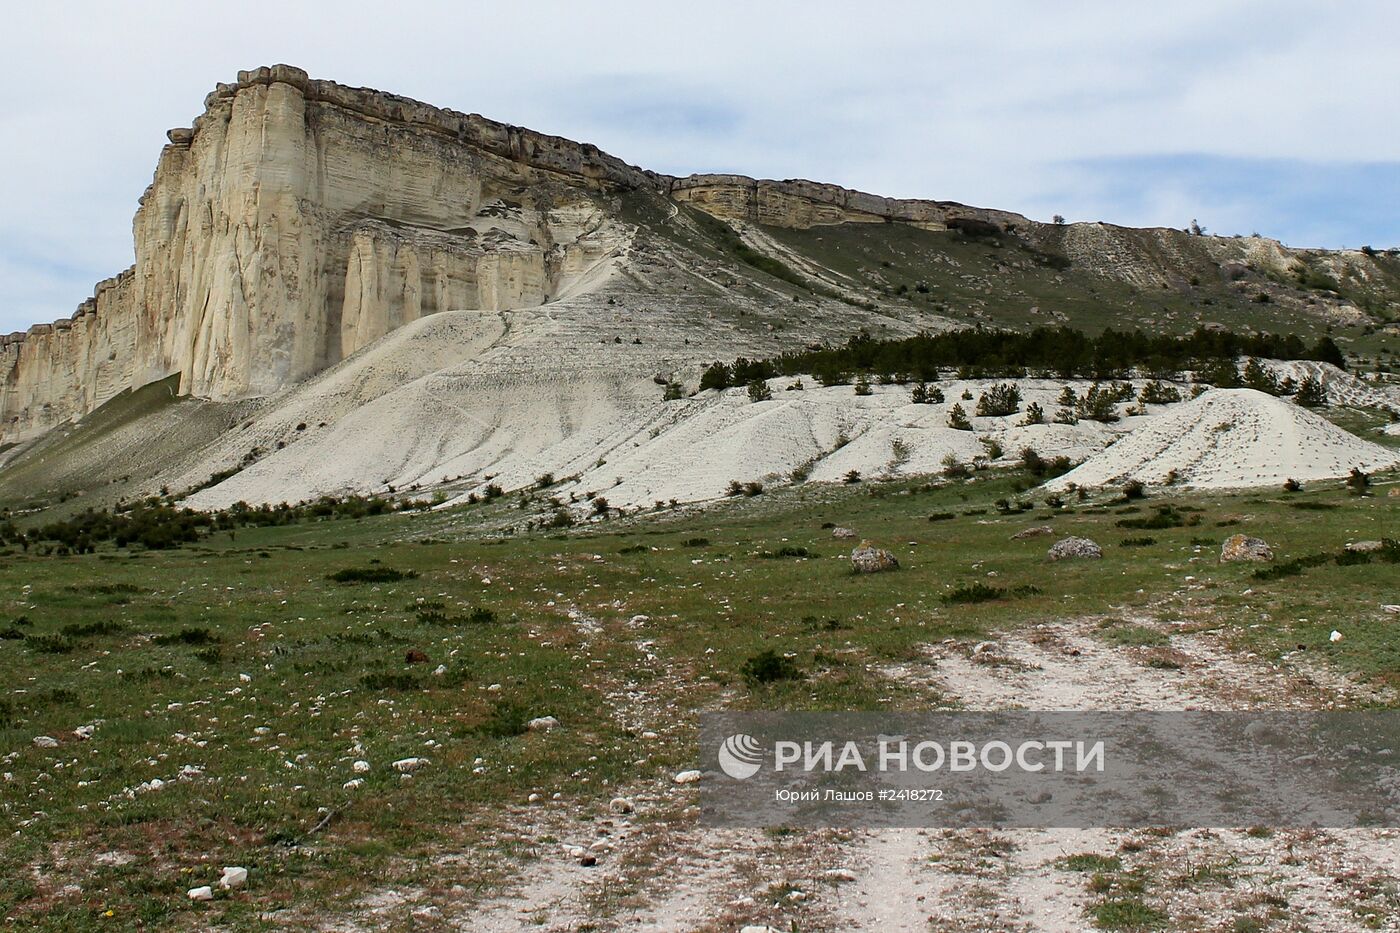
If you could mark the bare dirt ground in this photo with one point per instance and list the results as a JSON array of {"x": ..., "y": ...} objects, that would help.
[{"x": 657, "y": 871}]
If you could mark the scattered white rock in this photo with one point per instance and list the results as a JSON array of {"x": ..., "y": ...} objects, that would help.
[
  {"x": 440, "y": 670},
  {"x": 839, "y": 874},
  {"x": 1070, "y": 548},
  {"x": 245, "y": 678},
  {"x": 409, "y": 765},
  {"x": 360, "y": 767},
  {"x": 687, "y": 777},
  {"x": 235, "y": 876},
  {"x": 202, "y": 893},
  {"x": 1335, "y": 637},
  {"x": 621, "y": 805},
  {"x": 45, "y": 741},
  {"x": 84, "y": 732},
  {"x": 542, "y": 724},
  {"x": 353, "y": 783}
]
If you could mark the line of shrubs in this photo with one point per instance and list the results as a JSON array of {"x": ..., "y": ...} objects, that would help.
[
  {"x": 157, "y": 525},
  {"x": 1060, "y": 351}
]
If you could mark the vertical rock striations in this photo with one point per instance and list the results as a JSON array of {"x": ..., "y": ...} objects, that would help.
[{"x": 298, "y": 221}]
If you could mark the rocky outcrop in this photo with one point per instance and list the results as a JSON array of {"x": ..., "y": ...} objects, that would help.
[
  {"x": 870, "y": 559},
  {"x": 801, "y": 204},
  {"x": 296, "y": 222},
  {"x": 54, "y": 372},
  {"x": 1244, "y": 547},
  {"x": 1074, "y": 549}
]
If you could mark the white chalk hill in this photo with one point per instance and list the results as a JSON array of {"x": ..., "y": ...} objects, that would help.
[{"x": 1231, "y": 438}]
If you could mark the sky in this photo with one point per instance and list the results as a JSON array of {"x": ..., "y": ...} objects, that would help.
[{"x": 1278, "y": 117}]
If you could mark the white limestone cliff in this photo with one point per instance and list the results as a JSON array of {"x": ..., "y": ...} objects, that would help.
[{"x": 298, "y": 221}]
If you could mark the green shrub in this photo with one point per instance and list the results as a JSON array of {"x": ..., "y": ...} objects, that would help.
[
  {"x": 1291, "y": 568},
  {"x": 50, "y": 644},
  {"x": 1001, "y": 399},
  {"x": 1088, "y": 862},
  {"x": 788, "y": 550},
  {"x": 1163, "y": 516},
  {"x": 86, "y": 629},
  {"x": 371, "y": 575},
  {"x": 188, "y": 636},
  {"x": 1127, "y": 914},
  {"x": 1157, "y": 393},
  {"x": 506, "y": 720},
  {"x": 768, "y": 667},
  {"x": 380, "y": 680},
  {"x": 973, "y": 593}
]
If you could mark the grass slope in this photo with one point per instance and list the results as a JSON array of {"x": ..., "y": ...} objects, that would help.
[{"x": 616, "y": 630}]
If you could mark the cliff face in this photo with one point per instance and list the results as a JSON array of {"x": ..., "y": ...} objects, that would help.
[
  {"x": 298, "y": 221},
  {"x": 801, "y": 204}
]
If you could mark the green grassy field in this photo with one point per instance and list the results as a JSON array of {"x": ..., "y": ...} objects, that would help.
[{"x": 247, "y": 680}]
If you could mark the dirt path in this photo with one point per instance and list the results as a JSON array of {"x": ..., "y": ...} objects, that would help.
[
  {"x": 1205, "y": 879},
  {"x": 657, "y": 871}
]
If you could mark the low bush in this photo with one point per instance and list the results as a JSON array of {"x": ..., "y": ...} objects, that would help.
[
  {"x": 188, "y": 636},
  {"x": 973, "y": 593},
  {"x": 371, "y": 575},
  {"x": 381, "y": 680},
  {"x": 506, "y": 720},
  {"x": 769, "y": 667},
  {"x": 1163, "y": 516}
]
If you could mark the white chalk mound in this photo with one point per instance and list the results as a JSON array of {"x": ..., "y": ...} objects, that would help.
[{"x": 1231, "y": 438}]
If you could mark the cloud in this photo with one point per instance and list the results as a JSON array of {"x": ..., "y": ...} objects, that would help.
[
  {"x": 1303, "y": 203},
  {"x": 1278, "y": 115}
]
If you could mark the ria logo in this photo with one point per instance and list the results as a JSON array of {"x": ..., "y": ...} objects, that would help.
[{"x": 740, "y": 756}]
